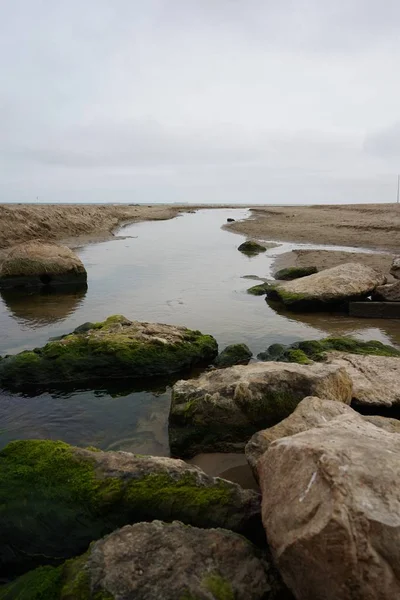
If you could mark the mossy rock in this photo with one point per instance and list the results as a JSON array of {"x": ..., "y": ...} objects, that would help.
[
  {"x": 153, "y": 561},
  {"x": 55, "y": 499},
  {"x": 235, "y": 354},
  {"x": 251, "y": 247},
  {"x": 115, "y": 348},
  {"x": 294, "y": 273},
  {"x": 315, "y": 350},
  {"x": 259, "y": 290}
]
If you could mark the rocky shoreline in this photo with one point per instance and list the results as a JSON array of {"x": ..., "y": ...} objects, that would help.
[{"x": 81, "y": 523}]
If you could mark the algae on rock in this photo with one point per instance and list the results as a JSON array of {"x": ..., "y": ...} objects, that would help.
[
  {"x": 154, "y": 561},
  {"x": 55, "y": 499},
  {"x": 114, "y": 348}
]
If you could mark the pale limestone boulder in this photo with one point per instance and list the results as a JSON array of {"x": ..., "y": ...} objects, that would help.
[
  {"x": 388, "y": 293},
  {"x": 331, "y": 510},
  {"x": 330, "y": 286},
  {"x": 311, "y": 412},
  {"x": 376, "y": 379},
  {"x": 395, "y": 268},
  {"x": 220, "y": 410}
]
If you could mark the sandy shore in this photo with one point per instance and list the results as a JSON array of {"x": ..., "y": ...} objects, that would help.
[
  {"x": 73, "y": 224},
  {"x": 362, "y": 225}
]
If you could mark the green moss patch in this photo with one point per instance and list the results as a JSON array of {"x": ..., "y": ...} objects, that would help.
[
  {"x": 294, "y": 273},
  {"x": 315, "y": 350},
  {"x": 54, "y": 501},
  {"x": 259, "y": 290},
  {"x": 220, "y": 588},
  {"x": 250, "y": 247},
  {"x": 114, "y": 348},
  {"x": 235, "y": 354}
]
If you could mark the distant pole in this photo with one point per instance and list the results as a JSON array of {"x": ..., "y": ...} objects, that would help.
[{"x": 398, "y": 188}]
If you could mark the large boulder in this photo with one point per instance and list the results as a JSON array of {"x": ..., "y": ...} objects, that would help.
[
  {"x": 395, "y": 268},
  {"x": 376, "y": 379},
  {"x": 235, "y": 354},
  {"x": 38, "y": 264},
  {"x": 388, "y": 293},
  {"x": 311, "y": 412},
  {"x": 220, "y": 410},
  {"x": 114, "y": 348},
  {"x": 154, "y": 561},
  {"x": 331, "y": 509},
  {"x": 55, "y": 499},
  {"x": 334, "y": 286}
]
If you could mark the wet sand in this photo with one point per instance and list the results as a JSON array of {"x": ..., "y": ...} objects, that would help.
[{"x": 362, "y": 225}]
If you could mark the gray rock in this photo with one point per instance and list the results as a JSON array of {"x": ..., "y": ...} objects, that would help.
[
  {"x": 220, "y": 410},
  {"x": 375, "y": 379},
  {"x": 330, "y": 286},
  {"x": 159, "y": 561},
  {"x": 311, "y": 412},
  {"x": 331, "y": 509},
  {"x": 388, "y": 293},
  {"x": 395, "y": 268}
]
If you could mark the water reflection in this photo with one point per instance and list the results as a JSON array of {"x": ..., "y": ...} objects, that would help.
[
  {"x": 43, "y": 307},
  {"x": 339, "y": 323}
]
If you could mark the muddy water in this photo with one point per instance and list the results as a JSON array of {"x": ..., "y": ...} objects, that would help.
[{"x": 183, "y": 271}]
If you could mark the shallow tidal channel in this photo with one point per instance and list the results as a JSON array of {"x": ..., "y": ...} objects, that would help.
[{"x": 185, "y": 271}]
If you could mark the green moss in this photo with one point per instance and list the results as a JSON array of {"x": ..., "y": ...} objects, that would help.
[
  {"x": 220, "y": 588},
  {"x": 289, "y": 297},
  {"x": 258, "y": 290},
  {"x": 250, "y": 247},
  {"x": 69, "y": 581},
  {"x": 80, "y": 356},
  {"x": 44, "y": 583},
  {"x": 53, "y": 502},
  {"x": 298, "y": 356},
  {"x": 295, "y": 273},
  {"x": 233, "y": 355},
  {"x": 315, "y": 350}
]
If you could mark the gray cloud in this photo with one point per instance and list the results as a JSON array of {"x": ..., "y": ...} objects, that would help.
[{"x": 199, "y": 100}]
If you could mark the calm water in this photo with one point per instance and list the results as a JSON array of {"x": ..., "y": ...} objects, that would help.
[{"x": 183, "y": 271}]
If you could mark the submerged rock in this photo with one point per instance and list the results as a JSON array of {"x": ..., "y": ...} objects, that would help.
[
  {"x": 222, "y": 409},
  {"x": 331, "y": 507},
  {"x": 55, "y": 499},
  {"x": 38, "y": 264},
  {"x": 290, "y": 273},
  {"x": 158, "y": 561},
  {"x": 259, "y": 290},
  {"x": 114, "y": 348},
  {"x": 235, "y": 354},
  {"x": 311, "y": 412},
  {"x": 328, "y": 287},
  {"x": 251, "y": 247}
]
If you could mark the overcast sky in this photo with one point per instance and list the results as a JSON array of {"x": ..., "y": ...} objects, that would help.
[{"x": 246, "y": 101}]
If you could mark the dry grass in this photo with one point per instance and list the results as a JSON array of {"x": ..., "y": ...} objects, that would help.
[{"x": 25, "y": 222}]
